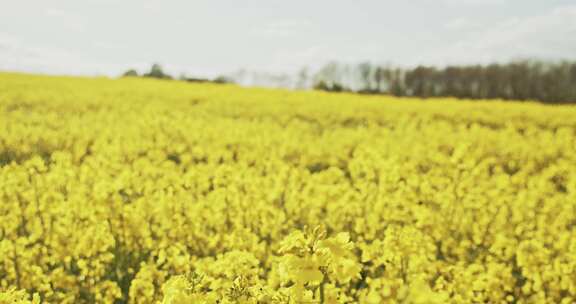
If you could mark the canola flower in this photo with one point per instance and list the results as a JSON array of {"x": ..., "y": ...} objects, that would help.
[{"x": 148, "y": 191}]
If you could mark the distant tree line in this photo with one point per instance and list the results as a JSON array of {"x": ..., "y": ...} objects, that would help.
[
  {"x": 156, "y": 71},
  {"x": 549, "y": 82}
]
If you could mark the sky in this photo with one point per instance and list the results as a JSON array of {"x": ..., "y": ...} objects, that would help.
[{"x": 208, "y": 38}]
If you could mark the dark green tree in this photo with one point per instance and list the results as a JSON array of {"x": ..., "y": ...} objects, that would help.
[
  {"x": 130, "y": 73},
  {"x": 156, "y": 71}
]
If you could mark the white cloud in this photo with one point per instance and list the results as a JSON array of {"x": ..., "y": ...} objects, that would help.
[
  {"x": 54, "y": 12},
  {"x": 15, "y": 55},
  {"x": 544, "y": 36},
  {"x": 281, "y": 28},
  {"x": 292, "y": 60},
  {"x": 10, "y": 46},
  {"x": 106, "y": 45},
  {"x": 460, "y": 23},
  {"x": 476, "y": 2}
]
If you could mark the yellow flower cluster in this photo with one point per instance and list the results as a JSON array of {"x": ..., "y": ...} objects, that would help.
[
  {"x": 151, "y": 191},
  {"x": 13, "y": 296}
]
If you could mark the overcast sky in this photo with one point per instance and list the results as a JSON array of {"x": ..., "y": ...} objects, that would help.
[{"x": 205, "y": 38}]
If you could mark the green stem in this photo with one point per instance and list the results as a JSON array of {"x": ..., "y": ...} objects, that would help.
[{"x": 322, "y": 292}]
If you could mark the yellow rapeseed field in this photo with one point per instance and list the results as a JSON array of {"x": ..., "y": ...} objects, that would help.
[{"x": 150, "y": 191}]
